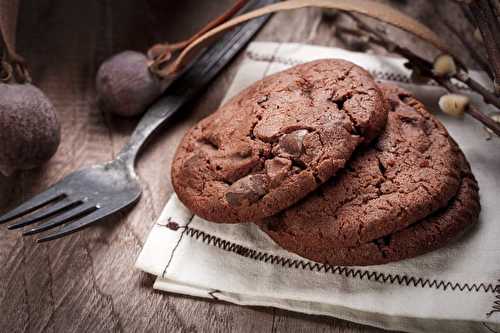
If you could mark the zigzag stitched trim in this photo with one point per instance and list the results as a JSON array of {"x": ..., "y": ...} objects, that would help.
[
  {"x": 349, "y": 272},
  {"x": 495, "y": 308}
]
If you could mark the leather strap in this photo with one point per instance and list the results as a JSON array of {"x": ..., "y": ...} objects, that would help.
[{"x": 369, "y": 8}]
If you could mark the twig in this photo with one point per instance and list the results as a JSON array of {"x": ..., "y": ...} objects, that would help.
[
  {"x": 471, "y": 108},
  {"x": 489, "y": 27},
  {"x": 487, "y": 95},
  {"x": 426, "y": 67},
  {"x": 495, "y": 4},
  {"x": 462, "y": 75},
  {"x": 478, "y": 58},
  {"x": 341, "y": 30},
  {"x": 467, "y": 13}
]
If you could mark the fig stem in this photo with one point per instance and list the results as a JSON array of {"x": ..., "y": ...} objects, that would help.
[
  {"x": 5, "y": 69},
  {"x": 13, "y": 69},
  {"x": 6, "y": 72}
]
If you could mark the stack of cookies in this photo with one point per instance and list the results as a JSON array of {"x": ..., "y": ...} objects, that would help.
[{"x": 331, "y": 165}]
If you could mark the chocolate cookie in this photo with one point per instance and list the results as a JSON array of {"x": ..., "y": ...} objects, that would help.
[
  {"x": 424, "y": 236},
  {"x": 277, "y": 141},
  {"x": 412, "y": 170}
]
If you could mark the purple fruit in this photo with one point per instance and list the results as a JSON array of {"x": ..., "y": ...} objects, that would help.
[{"x": 125, "y": 86}]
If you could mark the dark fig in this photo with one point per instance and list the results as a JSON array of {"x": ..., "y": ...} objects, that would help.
[
  {"x": 29, "y": 129},
  {"x": 125, "y": 85}
]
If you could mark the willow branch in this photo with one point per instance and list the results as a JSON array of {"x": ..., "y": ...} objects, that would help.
[
  {"x": 478, "y": 58},
  {"x": 462, "y": 75},
  {"x": 467, "y": 13},
  {"x": 489, "y": 28},
  {"x": 487, "y": 95},
  {"x": 426, "y": 68},
  {"x": 495, "y": 4},
  {"x": 471, "y": 108}
]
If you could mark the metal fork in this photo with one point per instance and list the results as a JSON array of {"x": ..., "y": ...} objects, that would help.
[{"x": 89, "y": 195}]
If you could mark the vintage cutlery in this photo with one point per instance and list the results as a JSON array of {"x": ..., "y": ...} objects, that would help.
[{"x": 89, "y": 195}]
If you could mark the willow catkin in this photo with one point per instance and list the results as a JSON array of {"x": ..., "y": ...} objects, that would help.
[
  {"x": 454, "y": 104},
  {"x": 444, "y": 65}
]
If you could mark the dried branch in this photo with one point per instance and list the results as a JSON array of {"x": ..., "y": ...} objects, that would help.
[
  {"x": 471, "y": 108},
  {"x": 467, "y": 13},
  {"x": 426, "y": 68},
  {"x": 461, "y": 75},
  {"x": 489, "y": 27},
  {"x": 478, "y": 58},
  {"x": 341, "y": 31},
  {"x": 495, "y": 4},
  {"x": 487, "y": 95}
]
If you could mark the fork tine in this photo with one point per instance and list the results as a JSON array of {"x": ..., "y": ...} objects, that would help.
[
  {"x": 85, "y": 221},
  {"x": 38, "y": 201},
  {"x": 77, "y": 211},
  {"x": 52, "y": 210}
]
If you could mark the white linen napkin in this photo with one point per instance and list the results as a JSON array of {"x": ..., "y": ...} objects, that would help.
[{"x": 453, "y": 289}]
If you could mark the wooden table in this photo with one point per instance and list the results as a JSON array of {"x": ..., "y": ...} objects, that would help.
[{"x": 86, "y": 282}]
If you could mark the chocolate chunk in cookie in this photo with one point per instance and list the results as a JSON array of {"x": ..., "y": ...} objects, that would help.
[
  {"x": 409, "y": 172},
  {"x": 294, "y": 129},
  {"x": 292, "y": 144},
  {"x": 247, "y": 190}
]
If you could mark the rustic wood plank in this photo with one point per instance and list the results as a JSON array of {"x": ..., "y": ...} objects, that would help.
[
  {"x": 296, "y": 322},
  {"x": 56, "y": 280},
  {"x": 86, "y": 282}
]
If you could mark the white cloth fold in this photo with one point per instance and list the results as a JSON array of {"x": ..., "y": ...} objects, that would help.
[{"x": 453, "y": 289}]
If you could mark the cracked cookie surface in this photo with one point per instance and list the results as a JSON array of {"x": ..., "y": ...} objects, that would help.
[
  {"x": 410, "y": 171},
  {"x": 277, "y": 141},
  {"x": 434, "y": 231}
]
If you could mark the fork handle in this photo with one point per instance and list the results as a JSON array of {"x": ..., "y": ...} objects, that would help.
[
  {"x": 191, "y": 82},
  {"x": 157, "y": 115},
  {"x": 182, "y": 89}
]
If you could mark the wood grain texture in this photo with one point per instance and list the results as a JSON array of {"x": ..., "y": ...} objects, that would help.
[{"x": 86, "y": 282}]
